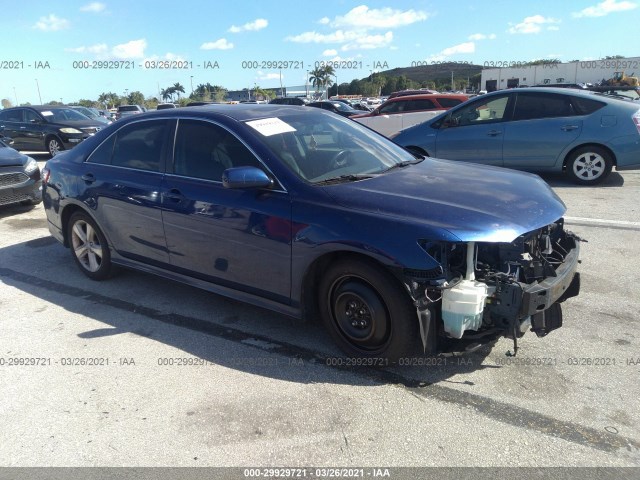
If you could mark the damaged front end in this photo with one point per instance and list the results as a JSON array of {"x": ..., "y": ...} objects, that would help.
[{"x": 483, "y": 290}]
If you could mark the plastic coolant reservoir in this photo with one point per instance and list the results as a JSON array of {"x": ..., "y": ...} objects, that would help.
[{"x": 462, "y": 307}]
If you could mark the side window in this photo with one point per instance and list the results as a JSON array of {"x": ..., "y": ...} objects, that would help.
[
  {"x": 481, "y": 112},
  {"x": 585, "y": 106},
  {"x": 205, "y": 150},
  {"x": 392, "y": 107},
  {"x": 530, "y": 106},
  {"x": 12, "y": 115},
  {"x": 139, "y": 145},
  {"x": 103, "y": 153},
  {"x": 449, "y": 102},
  {"x": 31, "y": 117},
  {"x": 416, "y": 105}
]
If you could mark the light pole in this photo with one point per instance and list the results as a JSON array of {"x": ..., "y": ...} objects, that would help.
[
  {"x": 337, "y": 94},
  {"x": 306, "y": 84},
  {"x": 39, "y": 96},
  {"x": 191, "y": 84},
  {"x": 15, "y": 95}
]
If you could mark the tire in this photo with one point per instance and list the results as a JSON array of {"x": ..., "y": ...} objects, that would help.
[
  {"x": 366, "y": 311},
  {"x": 589, "y": 165},
  {"x": 54, "y": 146},
  {"x": 89, "y": 247}
]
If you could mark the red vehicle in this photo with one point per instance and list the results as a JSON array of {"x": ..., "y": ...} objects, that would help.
[{"x": 405, "y": 111}]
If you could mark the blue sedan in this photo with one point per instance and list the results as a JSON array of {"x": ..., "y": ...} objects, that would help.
[
  {"x": 581, "y": 133},
  {"x": 313, "y": 215}
]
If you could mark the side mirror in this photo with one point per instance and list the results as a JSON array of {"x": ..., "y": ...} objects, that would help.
[{"x": 245, "y": 177}]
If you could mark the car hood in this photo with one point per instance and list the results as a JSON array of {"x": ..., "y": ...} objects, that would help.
[
  {"x": 11, "y": 158},
  {"x": 473, "y": 202}
]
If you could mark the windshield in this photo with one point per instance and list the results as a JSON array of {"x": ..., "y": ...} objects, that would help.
[
  {"x": 343, "y": 107},
  {"x": 318, "y": 147},
  {"x": 85, "y": 111},
  {"x": 60, "y": 115}
]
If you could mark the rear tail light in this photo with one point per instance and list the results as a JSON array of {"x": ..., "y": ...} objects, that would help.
[
  {"x": 46, "y": 173},
  {"x": 636, "y": 120}
]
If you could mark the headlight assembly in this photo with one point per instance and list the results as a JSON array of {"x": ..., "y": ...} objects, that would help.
[{"x": 70, "y": 130}]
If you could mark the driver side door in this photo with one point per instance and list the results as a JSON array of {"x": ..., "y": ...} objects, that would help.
[{"x": 475, "y": 131}]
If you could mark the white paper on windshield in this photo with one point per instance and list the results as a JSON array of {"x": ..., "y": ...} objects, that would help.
[
  {"x": 270, "y": 126},
  {"x": 46, "y": 113}
]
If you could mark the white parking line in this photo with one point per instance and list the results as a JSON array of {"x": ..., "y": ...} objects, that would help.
[{"x": 602, "y": 221}]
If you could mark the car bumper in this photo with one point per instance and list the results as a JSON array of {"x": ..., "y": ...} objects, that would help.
[
  {"x": 16, "y": 187},
  {"x": 541, "y": 296}
]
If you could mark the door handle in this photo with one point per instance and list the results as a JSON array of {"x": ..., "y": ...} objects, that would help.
[
  {"x": 494, "y": 133},
  {"x": 568, "y": 128},
  {"x": 88, "y": 177},
  {"x": 174, "y": 195}
]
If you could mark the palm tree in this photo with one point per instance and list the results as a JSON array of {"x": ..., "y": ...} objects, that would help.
[
  {"x": 317, "y": 78},
  {"x": 177, "y": 88},
  {"x": 166, "y": 93}
]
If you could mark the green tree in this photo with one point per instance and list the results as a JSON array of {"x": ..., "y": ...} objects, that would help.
[
  {"x": 317, "y": 78},
  {"x": 177, "y": 88},
  {"x": 109, "y": 99},
  {"x": 135, "y": 98}
]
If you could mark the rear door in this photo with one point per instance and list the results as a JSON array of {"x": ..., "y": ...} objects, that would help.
[
  {"x": 121, "y": 182},
  {"x": 543, "y": 125},
  {"x": 474, "y": 132},
  {"x": 239, "y": 238}
]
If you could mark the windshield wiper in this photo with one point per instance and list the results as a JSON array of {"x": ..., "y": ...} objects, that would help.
[
  {"x": 352, "y": 177},
  {"x": 405, "y": 163}
]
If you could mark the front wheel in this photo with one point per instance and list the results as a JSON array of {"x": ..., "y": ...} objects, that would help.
[
  {"x": 366, "y": 311},
  {"x": 589, "y": 165},
  {"x": 89, "y": 247},
  {"x": 54, "y": 146}
]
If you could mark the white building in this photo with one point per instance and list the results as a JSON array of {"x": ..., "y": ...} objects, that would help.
[{"x": 589, "y": 71}]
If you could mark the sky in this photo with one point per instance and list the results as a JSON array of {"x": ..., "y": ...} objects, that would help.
[{"x": 70, "y": 50}]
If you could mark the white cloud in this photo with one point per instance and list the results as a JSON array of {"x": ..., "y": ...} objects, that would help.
[
  {"x": 220, "y": 44},
  {"x": 51, "y": 23},
  {"x": 97, "y": 49},
  {"x": 482, "y": 36},
  {"x": 329, "y": 52},
  {"x": 268, "y": 76},
  {"x": 324, "y": 21},
  {"x": 362, "y": 17},
  {"x": 466, "y": 47},
  {"x": 93, "y": 7},
  {"x": 257, "y": 24},
  {"x": 532, "y": 24},
  {"x": 132, "y": 49},
  {"x": 368, "y": 42},
  {"x": 553, "y": 28},
  {"x": 350, "y": 39},
  {"x": 605, "y": 8}
]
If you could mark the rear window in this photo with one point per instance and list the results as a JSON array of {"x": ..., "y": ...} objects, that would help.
[
  {"x": 128, "y": 108},
  {"x": 585, "y": 106}
]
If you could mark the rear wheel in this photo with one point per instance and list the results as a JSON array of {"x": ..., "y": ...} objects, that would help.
[
  {"x": 589, "y": 165},
  {"x": 366, "y": 311},
  {"x": 89, "y": 247}
]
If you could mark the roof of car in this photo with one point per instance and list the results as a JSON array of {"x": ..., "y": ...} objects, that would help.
[
  {"x": 422, "y": 96},
  {"x": 240, "y": 112}
]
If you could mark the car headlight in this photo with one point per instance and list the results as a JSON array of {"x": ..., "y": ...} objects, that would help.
[
  {"x": 31, "y": 166},
  {"x": 70, "y": 130}
]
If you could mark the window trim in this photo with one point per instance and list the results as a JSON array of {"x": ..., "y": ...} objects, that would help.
[{"x": 508, "y": 110}]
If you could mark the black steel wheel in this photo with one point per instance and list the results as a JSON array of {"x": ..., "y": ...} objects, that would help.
[
  {"x": 367, "y": 312},
  {"x": 89, "y": 247}
]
